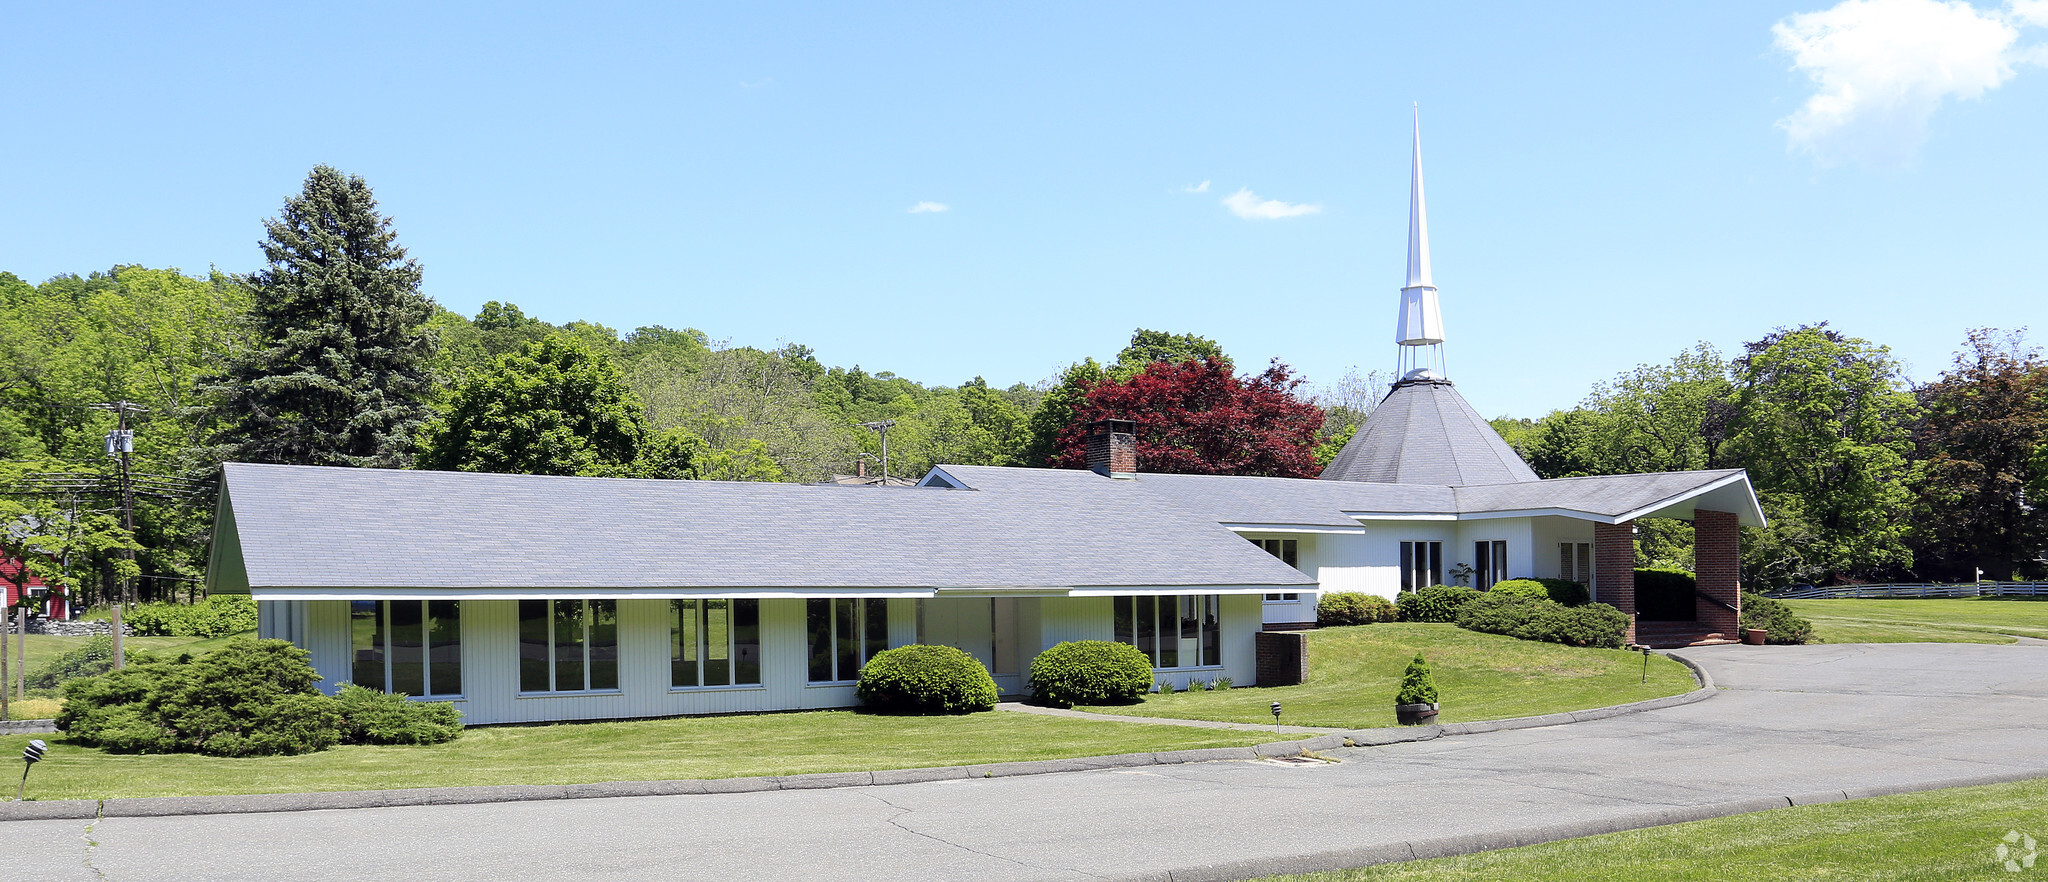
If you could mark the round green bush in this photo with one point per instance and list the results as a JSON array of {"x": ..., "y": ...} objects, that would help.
[
  {"x": 1340, "y": 608},
  {"x": 921, "y": 679},
  {"x": 1782, "y": 624},
  {"x": 1529, "y": 588},
  {"x": 1090, "y": 672},
  {"x": 1436, "y": 603}
]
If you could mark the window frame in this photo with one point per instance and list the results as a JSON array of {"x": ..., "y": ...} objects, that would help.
[
  {"x": 701, "y": 643},
  {"x": 1413, "y": 568},
  {"x": 1289, "y": 553},
  {"x": 590, "y": 647},
  {"x": 380, "y": 643},
  {"x": 860, "y": 632},
  {"x": 1207, "y": 622},
  {"x": 1489, "y": 563}
]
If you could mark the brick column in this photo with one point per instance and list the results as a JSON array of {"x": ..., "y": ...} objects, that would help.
[
  {"x": 1717, "y": 560},
  {"x": 1614, "y": 569}
]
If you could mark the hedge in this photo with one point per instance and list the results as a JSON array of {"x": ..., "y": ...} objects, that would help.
[
  {"x": 1354, "y": 608},
  {"x": 1564, "y": 591},
  {"x": 921, "y": 679},
  {"x": 1090, "y": 672},
  {"x": 1436, "y": 603},
  {"x": 1595, "y": 624},
  {"x": 218, "y": 616},
  {"x": 1665, "y": 594},
  {"x": 249, "y": 698}
]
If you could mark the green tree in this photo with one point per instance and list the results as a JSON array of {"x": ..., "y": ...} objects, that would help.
[
  {"x": 1822, "y": 422},
  {"x": 1056, "y": 411},
  {"x": 1151, "y": 347},
  {"x": 341, "y": 371},
  {"x": 553, "y": 408},
  {"x": 1983, "y": 459}
]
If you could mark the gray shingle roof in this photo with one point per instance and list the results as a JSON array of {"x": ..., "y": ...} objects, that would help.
[
  {"x": 1424, "y": 432},
  {"x": 315, "y": 527}
]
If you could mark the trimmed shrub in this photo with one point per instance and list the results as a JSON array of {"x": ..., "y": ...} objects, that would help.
[
  {"x": 216, "y": 616},
  {"x": 1418, "y": 685},
  {"x": 1090, "y": 672},
  {"x": 1436, "y": 603},
  {"x": 1524, "y": 618},
  {"x": 92, "y": 657},
  {"x": 1529, "y": 588},
  {"x": 372, "y": 717},
  {"x": 248, "y": 698},
  {"x": 1354, "y": 608},
  {"x": 1562, "y": 591},
  {"x": 1784, "y": 625},
  {"x": 920, "y": 679}
]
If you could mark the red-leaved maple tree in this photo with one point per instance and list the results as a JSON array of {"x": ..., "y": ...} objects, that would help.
[{"x": 1196, "y": 418}]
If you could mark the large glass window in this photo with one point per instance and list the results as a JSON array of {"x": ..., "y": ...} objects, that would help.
[
  {"x": 714, "y": 643},
  {"x": 1289, "y": 553},
  {"x": 1575, "y": 561},
  {"x": 1422, "y": 565},
  {"x": 1174, "y": 631},
  {"x": 412, "y": 647},
  {"x": 1489, "y": 562},
  {"x": 844, "y": 634},
  {"x": 568, "y": 645}
]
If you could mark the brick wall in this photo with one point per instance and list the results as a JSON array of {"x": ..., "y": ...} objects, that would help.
[
  {"x": 1112, "y": 447},
  {"x": 1717, "y": 560},
  {"x": 1282, "y": 657},
  {"x": 1614, "y": 569}
]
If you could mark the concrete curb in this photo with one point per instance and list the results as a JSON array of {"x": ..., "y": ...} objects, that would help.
[
  {"x": 1424, "y": 849},
  {"x": 27, "y": 727},
  {"x": 160, "y": 806}
]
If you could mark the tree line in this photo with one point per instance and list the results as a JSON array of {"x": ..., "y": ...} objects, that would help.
[{"x": 330, "y": 354}]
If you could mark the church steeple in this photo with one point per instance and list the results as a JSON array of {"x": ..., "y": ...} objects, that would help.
[{"x": 1420, "y": 331}]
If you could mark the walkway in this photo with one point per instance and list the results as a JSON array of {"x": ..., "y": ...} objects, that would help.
[{"x": 1792, "y": 724}]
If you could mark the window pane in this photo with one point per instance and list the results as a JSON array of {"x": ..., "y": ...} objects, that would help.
[
  {"x": 366, "y": 644},
  {"x": 569, "y": 645},
  {"x": 604, "y": 644},
  {"x": 717, "y": 646},
  {"x": 1169, "y": 632},
  {"x": 444, "y": 647},
  {"x": 1290, "y": 552},
  {"x": 818, "y": 621},
  {"x": 1436, "y": 563},
  {"x": 1124, "y": 633},
  {"x": 1148, "y": 628},
  {"x": 1211, "y": 635},
  {"x": 408, "y": 648},
  {"x": 1190, "y": 616},
  {"x": 682, "y": 644},
  {"x": 845, "y": 646},
  {"x": 746, "y": 642},
  {"x": 1408, "y": 566},
  {"x": 876, "y": 619},
  {"x": 533, "y": 645}
]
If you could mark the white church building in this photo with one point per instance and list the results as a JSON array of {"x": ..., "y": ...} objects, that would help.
[{"x": 533, "y": 598}]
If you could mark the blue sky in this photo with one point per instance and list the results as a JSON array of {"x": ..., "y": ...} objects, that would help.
[{"x": 1608, "y": 183}]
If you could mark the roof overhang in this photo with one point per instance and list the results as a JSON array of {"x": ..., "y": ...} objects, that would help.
[
  {"x": 1292, "y": 528},
  {"x": 1730, "y": 494},
  {"x": 672, "y": 593}
]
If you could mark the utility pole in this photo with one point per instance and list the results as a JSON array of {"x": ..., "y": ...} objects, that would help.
[
  {"x": 882, "y": 428},
  {"x": 121, "y": 444}
]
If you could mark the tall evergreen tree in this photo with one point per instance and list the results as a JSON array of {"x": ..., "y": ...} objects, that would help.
[{"x": 342, "y": 367}]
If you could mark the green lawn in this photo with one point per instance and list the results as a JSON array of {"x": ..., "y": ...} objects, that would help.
[
  {"x": 42, "y": 647},
  {"x": 1935, "y": 620},
  {"x": 1354, "y": 672},
  {"x": 692, "y": 747},
  {"x": 1941, "y": 834}
]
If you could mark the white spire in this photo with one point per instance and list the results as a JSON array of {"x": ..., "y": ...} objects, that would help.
[
  {"x": 1422, "y": 321},
  {"x": 1418, "y": 219}
]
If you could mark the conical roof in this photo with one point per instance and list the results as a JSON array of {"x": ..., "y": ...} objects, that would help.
[{"x": 1424, "y": 432}]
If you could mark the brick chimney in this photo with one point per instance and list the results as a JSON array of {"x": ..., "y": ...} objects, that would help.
[{"x": 1113, "y": 448}]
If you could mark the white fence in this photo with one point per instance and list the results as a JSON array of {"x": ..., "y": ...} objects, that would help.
[{"x": 1918, "y": 589}]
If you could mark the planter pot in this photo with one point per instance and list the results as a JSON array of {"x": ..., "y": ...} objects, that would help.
[
  {"x": 1415, "y": 714},
  {"x": 1754, "y": 636}
]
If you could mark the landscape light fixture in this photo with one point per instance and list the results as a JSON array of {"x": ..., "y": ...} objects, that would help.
[
  {"x": 29, "y": 755},
  {"x": 1646, "y": 663},
  {"x": 1276, "y": 718}
]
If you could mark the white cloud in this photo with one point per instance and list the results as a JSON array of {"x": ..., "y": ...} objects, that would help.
[
  {"x": 1246, "y": 204},
  {"x": 930, "y": 208},
  {"x": 1883, "y": 67},
  {"x": 1203, "y": 187}
]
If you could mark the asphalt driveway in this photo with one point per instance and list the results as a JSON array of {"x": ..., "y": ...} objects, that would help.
[{"x": 1792, "y": 724}]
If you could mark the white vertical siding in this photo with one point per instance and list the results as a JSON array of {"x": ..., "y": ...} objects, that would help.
[{"x": 1061, "y": 619}]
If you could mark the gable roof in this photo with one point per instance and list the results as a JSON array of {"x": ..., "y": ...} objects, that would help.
[
  {"x": 1424, "y": 432},
  {"x": 309, "y": 527}
]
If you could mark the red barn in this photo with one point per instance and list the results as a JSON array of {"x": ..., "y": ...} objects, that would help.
[{"x": 54, "y": 605}]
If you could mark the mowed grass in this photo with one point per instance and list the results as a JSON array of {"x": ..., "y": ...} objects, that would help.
[
  {"x": 1935, "y": 620},
  {"x": 1940, "y": 834},
  {"x": 1354, "y": 673},
  {"x": 640, "y": 750},
  {"x": 43, "y": 647}
]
